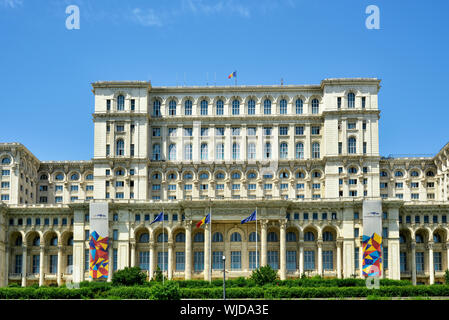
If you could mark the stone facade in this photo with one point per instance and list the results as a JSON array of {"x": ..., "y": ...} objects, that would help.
[{"x": 304, "y": 156}]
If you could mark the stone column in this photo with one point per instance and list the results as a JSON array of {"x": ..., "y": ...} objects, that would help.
[
  {"x": 320, "y": 257},
  {"x": 111, "y": 262},
  {"x": 133, "y": 254},
  {"x": 59, "y": 269},
  {"x": 41, "y": 266},
  {"x": 282, "y": 249},
  {"x": 170, "y": 260},
  {"x": 413, "y": 264},
  {"x": 301, "y": 257},
  {"x": 7, "y": 254},
  {"x": 263, "y": 257},
  {"x": 188, "y": 256},
  {"x": 151, "y": 268},
  {"x": 24, "y": 266},
  {"x": 206, "y": 252},
  {"x": 339, "y": 244},
  {"x": 431, "y": 268}
]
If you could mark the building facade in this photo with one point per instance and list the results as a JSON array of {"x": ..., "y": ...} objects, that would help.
[{"x": 304, "y": 156}]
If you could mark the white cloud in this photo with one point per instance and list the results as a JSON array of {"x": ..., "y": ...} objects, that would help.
[
  {"x": 147, "y": 18},
  {"x": 222, "y": 6},
  {"x": 11, "y": 3}
]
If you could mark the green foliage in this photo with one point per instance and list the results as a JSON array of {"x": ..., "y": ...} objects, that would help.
[
  {"x": 446, "y": 277},
  {"x": 168, "y": 291},
  {"x": 129, "y": 277},
  {"x": 158, "y": 275},
  {"x": 263, "y": 275}
]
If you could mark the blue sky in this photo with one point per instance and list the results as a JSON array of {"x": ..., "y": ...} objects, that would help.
[{"x": 47, "y": 69}]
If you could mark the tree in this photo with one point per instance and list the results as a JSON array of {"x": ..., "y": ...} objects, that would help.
[
  {"x": 158, "y": 275},
  {"x": 446, "y": 277},
  {"x": 129, "y": 277},
  {"x": 264, "y": 275}
]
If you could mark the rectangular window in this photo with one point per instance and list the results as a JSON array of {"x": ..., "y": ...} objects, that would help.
[
  {"x": 267, "y": 186},
  {"x": 364, "y": 147},
  {"x": 187, "y": 187},
  {"x": 18, "y": 264},
  {"x": 204, "y": 132},
  {"x": 219, "y": 131},
  {"x": 385, "y": 257},
  {"x": 340, "y": 148},
  {"x": 267, "y": 131},
  {"x": 356, "y": 257},
  {"x": 437, "y": 261},
  {"x": 309, "y": 260},
  {"x": 338, "y": 102},
  {"x": 73, "y": 188},
  {"x": 385, "y": 233},
  {"x": 251, "y": 131},
  {"x": 162, "y": 260},
  {"x": 328, "y": 262},
  {"x": 53, "y": 267},
  {"x": 273, "y": 259},
  {"x": 315, "y": 130},
  {"x": 356, "y": 232},
  {"x": 188, "y": 132},
  {"x": 291, "y": 260},
  {"x": 300, "y": 186},
  {"x": 254, "y": 261},
  {"x": 236, "y": 260},
  {"x": 58, "y": 187},
  {"x": 363, "y": 102},
  {"x": 36, "y": 262},
  {"x": 180, "y": 261},
  {"x": 419, "y": 262},
  {"x": 114, "y": 258},
  {"x": 252, "y": 186},
  {"x": 133, "y": 104},
  {"x": 156, "y": 132},
  {"x": 115, "y": 234},
  {"x": 144, "y": 260},
  {"x": 415, "y": 196},
  {"x": 235, "y": 131},
  {"x": 217, "y": 260},
  {"x": 58, "y": 199},
  {"x": 86, "y": 259},
  {"x": 198, "y": 261},
  {"x": 69, "y": 266},
  {"x": 283, "y": 131},
  {"x": 108, "y": 104},
  {"x": 351, "y": 125},
  {"x": 299, "y": 131},
  {"x": 284, "y": 186}
]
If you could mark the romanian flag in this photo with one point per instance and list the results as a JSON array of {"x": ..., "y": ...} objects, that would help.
[
  {"x": 232, "y": 75},
  {"x": 205, "y": 220}
]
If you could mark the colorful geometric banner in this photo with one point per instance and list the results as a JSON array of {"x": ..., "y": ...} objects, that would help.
[
  {"x": 99, "y": 240},
  {"x": 371, "y": 240}
]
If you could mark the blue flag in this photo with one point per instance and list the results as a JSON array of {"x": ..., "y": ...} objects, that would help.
[
  {"x": 252, "y": 217},
  {"x": 159, "y": 217}
]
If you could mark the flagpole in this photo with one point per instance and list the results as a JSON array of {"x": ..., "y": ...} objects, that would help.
[
  {"x": 210, "y": 244},
  {"x": 163, "y": 247},
  {"x": 257, "y": 235}
]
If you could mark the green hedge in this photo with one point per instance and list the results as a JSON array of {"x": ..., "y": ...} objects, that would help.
[{"x": 45, "y": 293}]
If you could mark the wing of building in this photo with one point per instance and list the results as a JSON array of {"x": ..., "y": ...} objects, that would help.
[{"x": 304, "y": 156}]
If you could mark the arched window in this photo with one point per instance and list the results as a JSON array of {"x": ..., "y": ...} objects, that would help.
[
  {"x": 300, "y": 175},
  {"x": 204, "y": 175},
  {"x": 203, "y": 106},
  {"x": 419, "y": 238},
  {"x": 188, "y": 152},
  {"x": 188, "y": 176},
  {"x": 37, "y": 241},
  {"x": 284, "y": 175},
  {"x": 235, "y": 151},
  {"x": 315, "y": 106},
  {"x": 352, "y": 145},
  {"x": 70, "y": 241},
  {"x": 316, "y": 150},
  {"x": 59, "y": 177},
  {"x": 120, "y": 148},
  {"x": 120, "y": 103},
  {"x": 217, "y": 237},
  {"x": 219, "y": 176},
  {"x": 252, "y": 175},
  {"x": 267, "y": 106},
  {"x": 180, "y": 237},
  {"x": 235, "y": 107},
  {"x": 309, "y": 236},
  {"x": 188, "y": 108},
  {"x": 171, "y": 176},
  {"x": 283, "y": 150},
  {"x": 74, "y": 176},
  {"x": 204, "y": 151},
  {"x": 299, "y": 151},
  {"x": 156, "y": 108},
  {"x": 316, "y": 174},
  {"x": 430, "y": 173},
  {"x": 172, "y": 108},
  {"x": 119, "y": 172},
  {"x": 172, "y": 152},
  {"x": 162, "y": 237},
  {"x": 398, "y": 173},
  {"x": 18, "y": 241},
  {"x": 352, "y": 170},
  {"x": 327, "y": 236},
  {"x": 236, "y": 175},
  {"x": 44, "y": 177},
  {"x": 199, "y": 237},
  {"x": 401, "y": 239},
  {"x": 383, "y": 174},
  {"x": 219, "y": 107},
  {"x": 299, "y": 106},
  {"x": 144, "y": 238},
  {"x": 272, "y": 237},
  {"x": 236, "y": 237},
  {"x": 291, "y": 237},
  {"x": 156, "y": 152},
  {"x": 283, "y": 106},
  {"x": 414, "y": 173},
  {"x": 90, "y": 176},
  {"x": 252, "y": 237},
  {"x": 351, "y": 100},
  {"x": 436, "y": 238},
  {"x": 267, "y": 150},
  {"x": 6, "y": 160},
  {"x": 251, "y": 151},
  {"x": 251, "y": 107},
  {"x": 54, "y": 241}
]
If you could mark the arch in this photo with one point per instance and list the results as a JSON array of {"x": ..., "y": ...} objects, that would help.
[
  {"x": 220, "y": 174},
  {"x": 120, "y": 147},
  {"x": 217, "y": 237},
  {"x": 43, "y": 176},
  {"x": 236, "y": 237},
  {"x": 300, "y": 174},
  {"x": 49, "y": 237},
  {"x": 252, "y": 237},
  {"x": 142, "y": 235},
  {"x": 204, "y": 174},
  {"x": 314, "y": 230},
  {"x": 74, "y": 176},
  {"x": 424, "y": 233},
  {"x": 156, "y": 175},
  {"x": 66, "y": 237},
  {"x": 89, "y": 176},
  {"x": 171, "y": 175},
  {"x": 350, "y": 100},
  {"x": 188, "y": 175},
  {"x": 119, "y": 171},
  {"x": 352, "y": 145},
  {"x": 33, "y": 239},
  {"x": 198, "y": 237},
  {"x": 439, "y": 235},
  {"x": 180, "y": 236},
  {"x": 6, "y": 159},
  {"x": 316, "y": 174},
  {"x": 284, "y": 173},
  {"x": 415, "y": 172},
  {"x": 59, "y": 176},
  {"x": 430, "y": 173},
  {"x": 236, "y": 174},
  {"x": 16, "y": 238},
  {"x": 251, "y": 174},
  {"x": 272, "y": 236},
  {"x": 291, "y": 236},
  {"x": 234, "y": 230},
  {"x": 327, "y": 231}
]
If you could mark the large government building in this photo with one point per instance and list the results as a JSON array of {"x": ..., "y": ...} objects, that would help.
[{"x": 304, "y": 156}]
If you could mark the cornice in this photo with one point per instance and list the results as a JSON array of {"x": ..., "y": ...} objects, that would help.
[{"x": 125, "y": 114}]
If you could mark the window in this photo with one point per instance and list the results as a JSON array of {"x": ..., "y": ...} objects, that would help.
[
  {"x": 172, "y": 152},
  {"x": 351, "y": 100},
  {"x": 414, "y": 173},
  {"x": 308, "y": 236},
  {"x": 299, "y": 150},
  {"x": 108, "y": 104},
  {"x": 315, "y": 150},
  {"x": 162, "y": 260},
  {"x": 328, "y": 262},
  {"x": 236, "y": 237},
  {"x": 338, "y": 102},
  {"x": 180, "y": 261},
  {"x": 235, "y": 107},
  {"x": 144, "y": 260},
  {"x": 133, "y": 104},
  {"x": 120, "y": 103},
  {"x": 204, "y": 151},
  {"x": 188, "y": 152},
  {"x": 235, "y": 151},
  {"x": 352, "y": 145},
  {"x": 385, "y": 233},
  {"x": 204, "y": 132},
  {"x": 251, "y": 151},
  {"x": 437, "y": 261},
  {"x": 217, "y": 237},
  {"x": 220, "y": 151},
  {"x": 273, "y": 259},
  {"x": 309, "y": 260},
  {"x": 219, "y": 107},
  {"x": 188, "y": 108},
  {"x": 267, "y": 106},
  {"x": 156, "y": 108},
  {"x": 283, "y": 150},
  {"x": 356, "y": 257},
  {"x": 291, "y": 237},
  {"x": 315, "y": 106},
  {"x": 283, "y": 106},
  {"x": 272, "y": 237},
  {"x": 199, "y": 237},
  {"x": 86, "y": 259},
  {"x": 283, "y": 131},
  {"x": 254, "y": 260},
  {"x": 203, "y": 107},
  {"x": 299, "y": 106},
  {"x": 315, "y": 130},
  {"x": 198, "y": 261},
  {"x": 236, "y": 260},
  {"x": 252, "y": 237},
  {"x": 172, "y": 108},
  {"x": 53, "y": 267},
  {"x": 36, "y": 262},
  {"x": 267, "y": 150},
  {"x": 217, "y": 260},
  {"x": 156, "y": 152},
  {"x": 363, "y": 102},
  {"x": 120, "y": 148},
  {"x": 251, "y": 107},
  {"x": 419, "y": 261}
]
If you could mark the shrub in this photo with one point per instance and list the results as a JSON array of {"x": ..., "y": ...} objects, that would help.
[
  {"x": 446, "y": 277},
  {"x": 264, "y": 275},
  {"x": 129, "y": 277},
  {"x": 158, "y": 275},
  {"x": 168, "y": 291}
]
